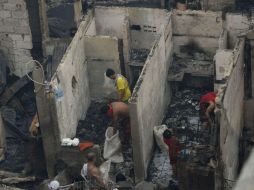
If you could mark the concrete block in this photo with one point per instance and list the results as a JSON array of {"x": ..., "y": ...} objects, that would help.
[
  {"x": 5, "y": 14},
  {"x": 14, "y": 7},
  {"x": 19, "y": 14},
  {"x": 197, "y": 23},
  {"x": 11, "y": 22},
  {"x": 16, "y": 37},
  {"x": 16, "y": 1},
  {"x": 27, "y": 38},
  {"x": 23, "y": 45},
  {"x": 222, "y": 63},
  {"x": 22, "y": 29}
]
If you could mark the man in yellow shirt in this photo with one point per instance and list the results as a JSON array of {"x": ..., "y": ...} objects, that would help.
[{"x": 122, "y": 85}]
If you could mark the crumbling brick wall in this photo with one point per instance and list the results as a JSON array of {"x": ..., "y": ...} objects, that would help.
[{"x": 15, "y": 35}]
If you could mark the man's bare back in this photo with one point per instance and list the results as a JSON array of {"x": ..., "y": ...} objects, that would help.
[{"x": 120, "y": 109}]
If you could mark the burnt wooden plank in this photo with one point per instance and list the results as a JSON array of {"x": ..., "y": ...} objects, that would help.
[{"x": 12, "y": 90}]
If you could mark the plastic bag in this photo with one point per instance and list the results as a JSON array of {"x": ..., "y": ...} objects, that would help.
[
  {"x": 158, "y": 133},
  {"x": 112, "y": 146}
]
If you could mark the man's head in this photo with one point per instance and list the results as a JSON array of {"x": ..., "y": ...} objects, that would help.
[
  {"x": 104, "y": 109},
  {"x": 110, "y": 73},
  {"x": 91, "y": 157},
  {"x": 167, "y": 134}
]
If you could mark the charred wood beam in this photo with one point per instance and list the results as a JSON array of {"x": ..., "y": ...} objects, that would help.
[{"x": 12, "y": 90}]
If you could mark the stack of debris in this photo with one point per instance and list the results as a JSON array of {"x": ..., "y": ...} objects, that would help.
[
  {"x": 94, "y": 126},
  {"x": 139, "y": 54},
  {"x": 197, "y": 156},
  {"x": 22, "y": 152},
  {"x": 160, "y": 170}
]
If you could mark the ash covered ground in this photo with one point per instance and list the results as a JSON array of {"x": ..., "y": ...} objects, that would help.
[
  {"x": 94, "y": 126},
  {"x": 183, "y": 113},
  {"x": 182, "y": 117}
]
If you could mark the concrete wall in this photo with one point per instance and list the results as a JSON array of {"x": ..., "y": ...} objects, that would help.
[
  {"x": 231, "y": 121},
  {"x": 72, "y": 78},
  {"x": 245, "y": 181},
  {"x": 149, "y": 100},
  {"x": 15, "y": 35},
  {"x": 102, "y": 53},
  {"x": 217, "y": 5},
  {"x": 223, "y": 59},
  {"x": 150, "y": 21},
  {"x": 236, "y": 24},
  {"x": 92, "y": 28},
  {"x": 199, "y": 27},
  {"x": 110, "y": 21}
]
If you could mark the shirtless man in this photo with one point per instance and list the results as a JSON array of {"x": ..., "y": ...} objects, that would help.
[
  {"x": 119, "y": 113},
  {"x": 94, "y": 173}
]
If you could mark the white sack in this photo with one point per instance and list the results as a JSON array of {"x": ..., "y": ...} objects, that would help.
[
  {"x": 158, "y": 133},
  {"x": 112, "y": 146}
]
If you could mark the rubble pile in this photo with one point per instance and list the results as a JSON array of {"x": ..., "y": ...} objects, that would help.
[
  {"x": 139, "y": 54},
  {"x": 183, "y": 116},
  {"x": 197, "y": 156},
  {"x": 160, "y": 170},
  {"x": 23, "y": 153},
  {"x": 94, "y": 126}
]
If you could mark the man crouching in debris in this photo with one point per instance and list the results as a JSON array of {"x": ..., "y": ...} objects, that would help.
[
  {"x": 122, "y": 85},
  {"x": 173, "y": 149},
  {"x": 207, "y": 106},
  {"x": 119, "y": 113},
  {"x": 93, "y": 173}
]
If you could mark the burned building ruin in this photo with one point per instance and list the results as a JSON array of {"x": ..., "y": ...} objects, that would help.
[{"x": 170, "y": 57}]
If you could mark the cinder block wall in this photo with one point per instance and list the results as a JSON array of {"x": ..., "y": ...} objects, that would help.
[
  {"x": 150, "y": 99},
  {"x": 15, "y": 35},
  {"x": 196, "y": 27},
  {"x": 72, "y": 78},
  {"x": 231, "y": 121},
  {"x": 102, "y": 53}
]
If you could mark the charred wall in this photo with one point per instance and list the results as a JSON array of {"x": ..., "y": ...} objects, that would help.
[
  {"x": 231, "y": 120},
  {"x": 203, "y": 38},
  {"x": 150, "y": 99},
  {"x": 71, "y": 78}
]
